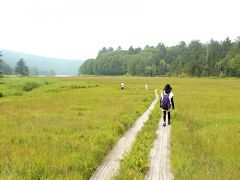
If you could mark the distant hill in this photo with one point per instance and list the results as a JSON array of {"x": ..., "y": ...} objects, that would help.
[{"x": 43, "y": 64}]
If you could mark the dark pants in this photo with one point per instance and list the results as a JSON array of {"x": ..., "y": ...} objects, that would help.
[{"x": 164, "y": 116}]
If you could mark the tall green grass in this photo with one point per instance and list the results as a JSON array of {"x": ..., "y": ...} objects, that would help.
[
  {"x": 205, "y": 136},
  {"x": 63, "y": 129},
  {"x": 206, "y": 129}
]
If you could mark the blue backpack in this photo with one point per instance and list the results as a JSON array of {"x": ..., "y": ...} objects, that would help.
[{"x": 165, "y": 103}]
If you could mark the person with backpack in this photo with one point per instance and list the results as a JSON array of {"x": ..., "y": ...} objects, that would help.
[
  {"x": 166, "y": 103},
  {"x": 122, "y": 86}
]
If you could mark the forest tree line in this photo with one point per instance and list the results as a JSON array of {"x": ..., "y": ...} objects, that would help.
[{"x": 194, "y": 59}]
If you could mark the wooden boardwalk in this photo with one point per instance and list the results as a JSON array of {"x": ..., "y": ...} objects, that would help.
[
  {"x": 159, "y": 162},
  {"x": 111, "y": 164}
]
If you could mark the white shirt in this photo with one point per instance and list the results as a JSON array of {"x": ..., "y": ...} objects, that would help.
[{"x": 170, "y": 95}]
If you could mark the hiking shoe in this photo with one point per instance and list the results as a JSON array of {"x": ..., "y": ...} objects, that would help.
[
  {"x": 169, "y": 123},
  {"x": 164, "y": 124}
]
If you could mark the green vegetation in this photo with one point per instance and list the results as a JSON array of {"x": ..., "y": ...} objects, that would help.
[
  {"x": 194, "y": 59},
  {"x": 1, "y": 66},
  {"x": 19, "y": 86},
  {"x": 64, "y": 127},
  {"x": 135, "y": 164},
  {"x": 21, "y": 68},
  {"x": 28, "y": 86},
  {"x": 235, "y": 65},
  {"x": 206, "y": 129}
]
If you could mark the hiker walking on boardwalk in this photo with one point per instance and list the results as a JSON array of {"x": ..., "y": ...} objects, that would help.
[
  {"x": 166, "y": 102},
  {"x": 122, "y": 85}
]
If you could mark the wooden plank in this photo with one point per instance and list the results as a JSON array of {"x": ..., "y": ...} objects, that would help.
[
  {"x": 159, "y": 162},
  {"x": 111, "y": 164}
]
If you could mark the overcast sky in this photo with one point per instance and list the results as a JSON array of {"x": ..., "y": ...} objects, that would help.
[{"x": 78, "y": 29}]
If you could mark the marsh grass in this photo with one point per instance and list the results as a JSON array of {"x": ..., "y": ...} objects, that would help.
[
  {"x": 18, "y": 86},
  {"x": 63, "y": 129},
  {"x": 28, "y": 86},
  {"x": 206, "y": 129}
]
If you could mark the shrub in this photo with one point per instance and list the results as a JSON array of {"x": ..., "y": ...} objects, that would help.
[
  {"x": 28, "y": 86},
  {"x": 1, "y": 94}
]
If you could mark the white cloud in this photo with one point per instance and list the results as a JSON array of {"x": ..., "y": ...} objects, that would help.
[{"x": 79, "y": 28}]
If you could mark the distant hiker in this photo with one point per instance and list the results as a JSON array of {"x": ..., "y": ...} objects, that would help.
[
  {"x": 122, "y": 85},
  {"x": 166, "y": 102}
]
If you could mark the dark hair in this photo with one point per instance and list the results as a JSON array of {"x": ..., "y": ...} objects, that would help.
[{"x": 167, "y": 88}]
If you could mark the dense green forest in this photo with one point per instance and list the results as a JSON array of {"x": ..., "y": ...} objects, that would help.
[{"x": 195, "y": 59}]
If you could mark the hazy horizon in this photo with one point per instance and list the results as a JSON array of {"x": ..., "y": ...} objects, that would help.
[
  {"x": 71, "y": 29},
  {"x": 39, "y": 55}
]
